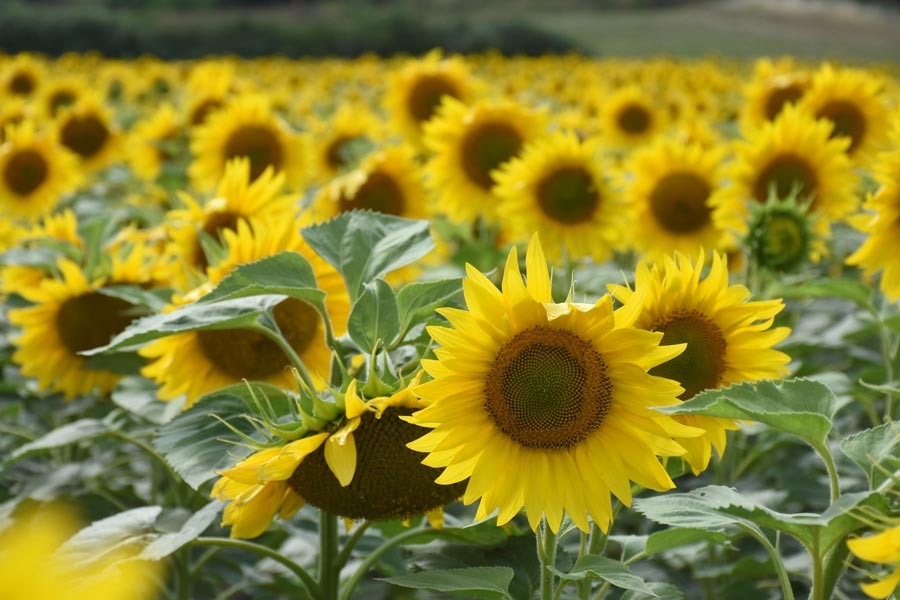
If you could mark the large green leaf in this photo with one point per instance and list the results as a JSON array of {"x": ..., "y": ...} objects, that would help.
[
  {"x": 666, "y": 539},
  {"x": 228, "y": 314},
  {"x": 137, "y": 395},
  {"x": 418, "y": 301},
  {"x": 364, "y": 245},
  {"x": 612, "y": 571},
  {"x": 121, "y": 536},
  {"x": 196, "y": 444},
  {"x": 798, "y": 406},
  {"x": 374, "y": 316},
  {"x": 193, "y": 527},
  {"x": 480, "y": 582},
  {"x": 80, "y": 430},
  {"x": 876, "y": 451}
]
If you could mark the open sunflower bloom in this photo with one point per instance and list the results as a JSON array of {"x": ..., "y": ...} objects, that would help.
[
  {"x": 556, "y": 389},
  {"x": 883, "y": 547}
]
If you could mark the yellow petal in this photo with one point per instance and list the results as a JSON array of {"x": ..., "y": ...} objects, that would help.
[
  {"x": 537, "y": 275},
  {"x": 340, "y": 454}
]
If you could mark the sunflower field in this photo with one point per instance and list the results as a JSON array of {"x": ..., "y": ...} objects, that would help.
[{"x": 449, "y": 326}]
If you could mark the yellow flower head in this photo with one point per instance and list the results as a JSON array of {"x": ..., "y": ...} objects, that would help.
[{"x": 882, "y": 547}]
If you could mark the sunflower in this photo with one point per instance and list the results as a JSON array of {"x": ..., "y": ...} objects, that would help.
[
  {"x": 35, "y": 172},
  {"x": 61, "y": 227},
  {"x": 197, "y": 362},
  {"x": 558, "y": 390},
  {"x": 208, "y": 87},
  {"x": 71, "y": 314},
  {"x": 22, "y": 76},
  {"x": 851, "y": 100},
  {"x": 31, "y": 567},
  {"x": 882, "y": 547},
  {"x": 468, "y": 144},
  {"x": 340, "y": 138},
  {"x": 239, "y": 196},
  {"x": 795, "y": 154},
  {"x": 557, "y": 186},
  {"x": 775, "y": 85},
  {"x": 676, "y": 191},
  {"x": 630, "y": 117},
  {"x": 151, "y": 140},
  {"x": 388, "y": 181},
  {"x": 355, "y": 466},
  {"x": 729, "y": 340},
  {"x": 415, "y": 92},
  {"x": 87, "y": 129},
  {"x": 14, "y": 111},
  {"x": 61, "y": 93},
  {"x": 882, "y": 224},
  {"x": 246, "y": 127}
]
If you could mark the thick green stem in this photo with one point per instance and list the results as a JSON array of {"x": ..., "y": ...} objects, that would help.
[
  {"x": 783, "y": 579},
  {"x": 833, "y": 480},
  {"x": 546, "y": 547},
  {"x": 350, "y": 544},
  {"x": 818, "y": 580},
  {"x": 313, "y": 590},
  {"x": 888, "y": 355},
  {"x": 373, "y": 557},
  {"x": 288, "y": 350},
  {"x": 596, "y": 545},
  {"x": 329, "y": 572}
]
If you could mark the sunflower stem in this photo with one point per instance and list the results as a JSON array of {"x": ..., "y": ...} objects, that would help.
[
  {"x": 546, "y": 546},
  {"x": 285, "y": 347},
  {"x": 329, "y": 571},
  {"x": 786, "y": 590},
  {"x": 373, "y": 557},
  {"x": 887, "y": 352},
  {"x": 834, "y": 482},
  {"x": 350, "y": 544}
]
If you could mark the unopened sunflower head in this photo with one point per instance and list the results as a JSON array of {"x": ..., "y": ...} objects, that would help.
[{"x": 781, "y": 234}]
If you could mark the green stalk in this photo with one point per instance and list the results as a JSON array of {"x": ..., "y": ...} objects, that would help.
[
  {"x": 834, "y": 482},
  {"x": 329, "y": 572},
  {"x": 350, "y": 544},
  {"x": 546, "y": 547},
  {"x": 285, "y": 347},
  {"x": 313, "y": 590},
  {"x": 783, "y": 579},
  {"x": 373, "y": 557}
]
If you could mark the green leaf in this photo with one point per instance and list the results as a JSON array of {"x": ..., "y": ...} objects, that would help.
[
  {"x": 876, "y": 451},
  {"x": 418, "y": 301},
  {"x": 667, "y": 539},
  {"x": 120, "y": 535},
  {"x": 481, "y": 582},
  {"x": 374, "y": 316},
  {"x": 83, "y": 429},
  {"x": 168, "y": 543},
  {"x": 798, "y": 406},
  {"x": 845, "y": 289},
  {"x": 616, "y": 573},
  {"x": 658, "y": 590},
  {"x": 287, "y": 273},
  {"x": 843, "y": 516},
  {"x": 196, "y": 444},
  {"x": 121, "y": 363},
  {"x": 229, "y": 314},
  {"x": 137, "y": 395},
  {"x": 364, "y": 245},
  {"x": 156, "y": 300}
]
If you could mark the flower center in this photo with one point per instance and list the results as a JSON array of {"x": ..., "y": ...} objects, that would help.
[
  {"x": 702, "y": 364},
  {"x": 634, "y": 119},
  {"x": 848, "y": 121},
  {"x": 91, "y": 320},
  {"x": 486, "y": 147},
  {"x": 60, "y": 100},
  {"x": 203, "y": 110},
  {"x": 259, "y": 144},
  {"x": 250, "y": 355},
  {"x": 784, "y": 241},
  {"x": 390, "y": 481},
  {"x": 548, "y": 388},
  {"x": 785, "y": 173},
  {"x": 380, "y": 193},
  {"x": 781, "y": 96},
  {"x": 337, "y": 154},
  {"x": 679, "y": 202},
  {"x": 215, "y": 225},
  {"x": 25, "y": 172},
  {"x": 85, "y": 136},
  {"x": 426, "y": 95},
  {"x": 568, "y": 195},
  {"x": 21, "y": 84}
]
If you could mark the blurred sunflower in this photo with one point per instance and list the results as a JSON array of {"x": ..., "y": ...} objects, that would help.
[
  {"x": 88, "y": 130},
  {"x": 197, "y": 362},
  {"x": 884, "y": 548},
  {"x": 150, "y": 142},
  {"x": 355, "y": 464},
  {"x": 208, "y": 87},
  {"x": 61, "y": 93},
  {"x": 246, "y": 127},
  {"x": 851, "y": 100},
  {"x": 775, "y": 85},
  {"x": 882, "y": 225},
  {"x": 339, "y": 139},
  {"x": 22, "y": 76},
  {"x": 61, "y": 227},
  {"x": 795, "y": 154},
  {"x": 557, "y": 187},
  {"x": 416, "y": 90},
  {"x": 36, "y": 172},
  {"x": 729, "y": 339},
  {"x": 71, "y": 314},
  {"x": 558, "y": 390},
  {"x": 630, "y": 117},
  {"x": 14, "y": 111},
  {"x": 239, "y": 196},
  {"x": 676, "y": 191},
  {"x": 468, "y": 144},
  {"x": 388, "y": 181}
]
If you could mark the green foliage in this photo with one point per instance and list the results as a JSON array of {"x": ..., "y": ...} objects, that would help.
[
  {"x": 477, "y": 582},
  {"x": 876, "y": 451},
  {"x": 374, "y": 317}
]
